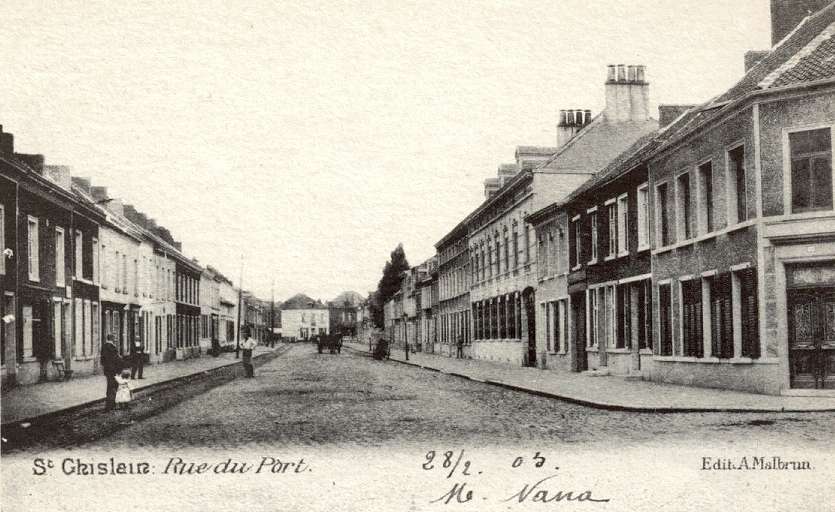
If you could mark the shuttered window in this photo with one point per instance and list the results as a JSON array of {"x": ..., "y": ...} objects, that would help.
[
  {"x": 665, "y": 330},
  {"x": 644, "y": 316},
  {"x": 749, "y": 313},
  {"x": 721, "y": 310},
  {"x": 691, "y": 299}
]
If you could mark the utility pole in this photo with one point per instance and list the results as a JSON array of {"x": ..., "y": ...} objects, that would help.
[
  {"x": 240, "y": 304},
  {"x": 272, "y": 313}
]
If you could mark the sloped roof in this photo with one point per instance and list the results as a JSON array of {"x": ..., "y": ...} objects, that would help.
[
  {"x": 804, "y": 34},
  {"x": 301, "y": 301},
  {"x": 353, "y": 298},
  {"x": 597, "y": 144},
  {"x": 815, "y": 64}
]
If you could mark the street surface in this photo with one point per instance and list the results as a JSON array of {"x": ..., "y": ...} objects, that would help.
[{"x": 304, "y": 398}]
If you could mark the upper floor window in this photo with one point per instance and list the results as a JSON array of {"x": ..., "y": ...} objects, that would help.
[
  {"x": 612, "y": 208},
  {"x": 643, "y": 217},
  {"x": 60, "y": 261},
  {"x": 811, "y": 170},
  {"x": 623, "y": 225},
  {"x": 95, "y": 261},
  {"x": 79, "y": 255},
  {"x": 706, "y": 222},
  {"x": 33, "y": 247},
  {"x": 593, "y": 222},
  {"x": 737, "y": 191},
  {"x": 684, "y": 206},
  {"x": 662, "y": 215},
  {"x": 515, "y": 237},
  {"x": 576, "y": 235}
]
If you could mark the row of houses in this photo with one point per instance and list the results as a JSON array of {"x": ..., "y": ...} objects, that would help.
[
  {"x": 695, "y": 248},
  {"x": 78, "y": 265}
]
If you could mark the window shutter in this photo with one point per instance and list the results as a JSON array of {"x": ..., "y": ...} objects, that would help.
[{"x": 749, "y": 307}]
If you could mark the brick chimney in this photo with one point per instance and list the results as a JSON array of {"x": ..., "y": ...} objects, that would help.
[
  {"x": 99, "y": 194},
  {"x": 36, "y": 162},
  {"x": 627, "y": 94},
  {"x": 115, "y": 206},
  {"x": 6, "y": 143},
  {"x": 570, "y": 122},
  {"x": 82, "y": 183},
  {"x": 669, "y": 113},
  {"x": 491, "y": 186},
  {"x": 58, "y": 174},
  {"x": 787, "y": 14}
]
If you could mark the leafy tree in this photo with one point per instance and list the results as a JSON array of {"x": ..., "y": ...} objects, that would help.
[{"x": 389, "y": 283}]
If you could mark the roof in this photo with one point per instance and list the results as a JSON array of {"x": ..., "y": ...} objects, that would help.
[
  {"x": 301, "y": 301},
  {"x": 596, "y": 144},
  {"x": 816, "y": 65},
  {"x": 351, "y": 297}
]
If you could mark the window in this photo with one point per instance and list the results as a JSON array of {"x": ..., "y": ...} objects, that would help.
[
  {"x": 527, "y": 244},
  {"x": 57, "y": 328},
  {"x": 613, "y": 229},
  {"x": 136, "y": 278},
  {"x": 28, "y": 347},
  {"x": 623, "y": 225},
  {"x": 665, "y": 319},
  {"x": 2, "y": 241},
  {"x": 95, "y": 261},
  {"x": 691, "y": 318},
  {"x": 515, "y": 236},
  {"x": 706, "y": 222},
  {"x": 610, "y": 312},
  {"x": 644, "y": 314},
  {"x": 662, "y": 219},
  {"x": 79, "y": 328},
  {"x": 737, "y": 192},
  {"x": 124, "y": 274},
  {"x": 643, "y": 217},
  {"x": 33, "y": 250},
  {"x": 498, "y": 256},
  {"x": 684, "y": 217},
  {"x": 577, "y": 236},
  {"x": 60, "y": 260},
  {"x": 811, "y": 170},
  {"x": 593, "y": 220},
  {"x": 96, "y": 336},
  {"x": 490, "y": 258},
  {"x": 748, "y": 308},
  {"x": 721, "y": 317},
  {"x": 506, "y": 253},
  {"x": 79, "y": 254},
  {"x": 624, "y": 317}
]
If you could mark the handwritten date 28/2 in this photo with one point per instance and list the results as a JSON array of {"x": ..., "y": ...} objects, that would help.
[{"x": 448, "y": 460}]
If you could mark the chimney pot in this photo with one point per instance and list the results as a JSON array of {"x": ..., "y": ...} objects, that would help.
[
  {"x": 578, "y": 117},
  {"x": 621, "y": 73},
  {"x": 569, "y": 118},
  {"x": 611, "y": 73},
  {"x": 630, "y": 73},
  {"x": 562, "y": 117},
  {"x": 587, "y": 117}
]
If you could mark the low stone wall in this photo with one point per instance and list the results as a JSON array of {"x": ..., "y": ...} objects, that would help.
[
  {"x": 754, "y": 378},
  {"x": 511, "y": 352}
]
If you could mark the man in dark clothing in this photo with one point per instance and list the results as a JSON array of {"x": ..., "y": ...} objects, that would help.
[
  {"x": 137, "y": 358},
  {"x": 460, "y": 352},
  {"x": 111, "y": 364}
]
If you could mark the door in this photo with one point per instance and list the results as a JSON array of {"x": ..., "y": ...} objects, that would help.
[
  {"x": 578, "y": 334},
  {"x": 812, "y": 338},
  {"x": 530, "y": 312}
]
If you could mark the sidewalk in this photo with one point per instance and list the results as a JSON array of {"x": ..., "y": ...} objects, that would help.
[
  {"x": 610, "y": 392},
  {"x": 33, "y": 400}
]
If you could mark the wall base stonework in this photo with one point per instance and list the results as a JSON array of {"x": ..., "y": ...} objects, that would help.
[
  {"x": 754, "y": 378},
  {"x": 500, "y": 351},
  {"x": 556, "y": 362}
]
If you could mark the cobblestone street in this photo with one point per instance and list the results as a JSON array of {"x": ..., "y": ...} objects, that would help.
[{"x": 304, "y": 398}]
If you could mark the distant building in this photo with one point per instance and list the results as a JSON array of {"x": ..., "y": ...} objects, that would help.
[{"x": 303, "y": 317}]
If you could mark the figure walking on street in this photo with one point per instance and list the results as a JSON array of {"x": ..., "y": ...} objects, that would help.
[
  {"x": 460, "y": 352},
  {"x": 111, "y": 364},
  {"x": 247, "y": 345},
  {"x": 137, "y": 359}
]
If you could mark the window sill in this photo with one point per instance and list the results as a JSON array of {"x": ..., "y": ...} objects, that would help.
[
  {"x": 618, "y": 350},
  {"x": 645, "y": 352},
  {"x": 592, "y": 262},
  {"x": 642, "y": 248},
  {"x": 610, "y": 257},
  {"x": 622, "y": 254},
  {"x": 592, "y": 349},
  {"x": 576, "y": 268},
  {"x": 83, "y": 358},
  {"x": 715, "y": 360}
]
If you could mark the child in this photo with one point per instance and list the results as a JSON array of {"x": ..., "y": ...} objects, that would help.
[{"x": 123, "y": 393}]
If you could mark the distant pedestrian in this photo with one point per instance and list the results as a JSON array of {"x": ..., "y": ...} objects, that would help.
[
  {"x": 247, "y": 345},
  {"x": 137, "y": 359},
  {"x": 111, "y": 364},
  {"x": 460, "y": 352},
  {"x": 124, "y": 393}
]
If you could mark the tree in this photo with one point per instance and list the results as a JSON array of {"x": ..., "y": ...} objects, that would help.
[{"x": 389, "y": 284}]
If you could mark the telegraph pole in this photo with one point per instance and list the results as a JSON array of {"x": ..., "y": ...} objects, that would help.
[{"x": 240, "y": 304}]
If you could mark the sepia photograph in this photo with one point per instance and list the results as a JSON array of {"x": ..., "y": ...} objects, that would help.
[{"x": 417, "y": 255}]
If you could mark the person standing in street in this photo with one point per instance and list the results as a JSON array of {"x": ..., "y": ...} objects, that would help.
[
  {"x": 111, "y": 364},
  {"x": 460, "y": 352},
  {"x": 247, "y": 346},
  {"x": 137, "y": 358}
]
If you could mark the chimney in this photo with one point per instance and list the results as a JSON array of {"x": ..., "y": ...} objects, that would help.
[
  {"x": 669, "y": 113},
  {"x": 99, "y": 194},
  {"x": 115, "y": 206},
  {"x": 6, "y": 143},
  {"x": 752, "y": 57},
  {"x": 36, "y": 162},
  {"x": 627, "y": 94},
  {"x": 58, "y": 174},
  {"x": 571, "y": 121},
  {"x": 82, "y": 183},
  {"x": 787, "y": 14},
  {"x": 491, "y": 186}
]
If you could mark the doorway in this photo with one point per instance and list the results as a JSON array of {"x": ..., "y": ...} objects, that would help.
[
  {"x": 530, "y": 312},
  {"x": 811, "y": 315}
]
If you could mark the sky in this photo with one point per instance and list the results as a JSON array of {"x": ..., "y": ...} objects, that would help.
[{"x": 313, "y": 137}]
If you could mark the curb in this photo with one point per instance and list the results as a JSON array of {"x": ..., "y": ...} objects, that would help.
[
  {"x": 48, "y": 416},
  {"x": 610, "y": 406}
]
